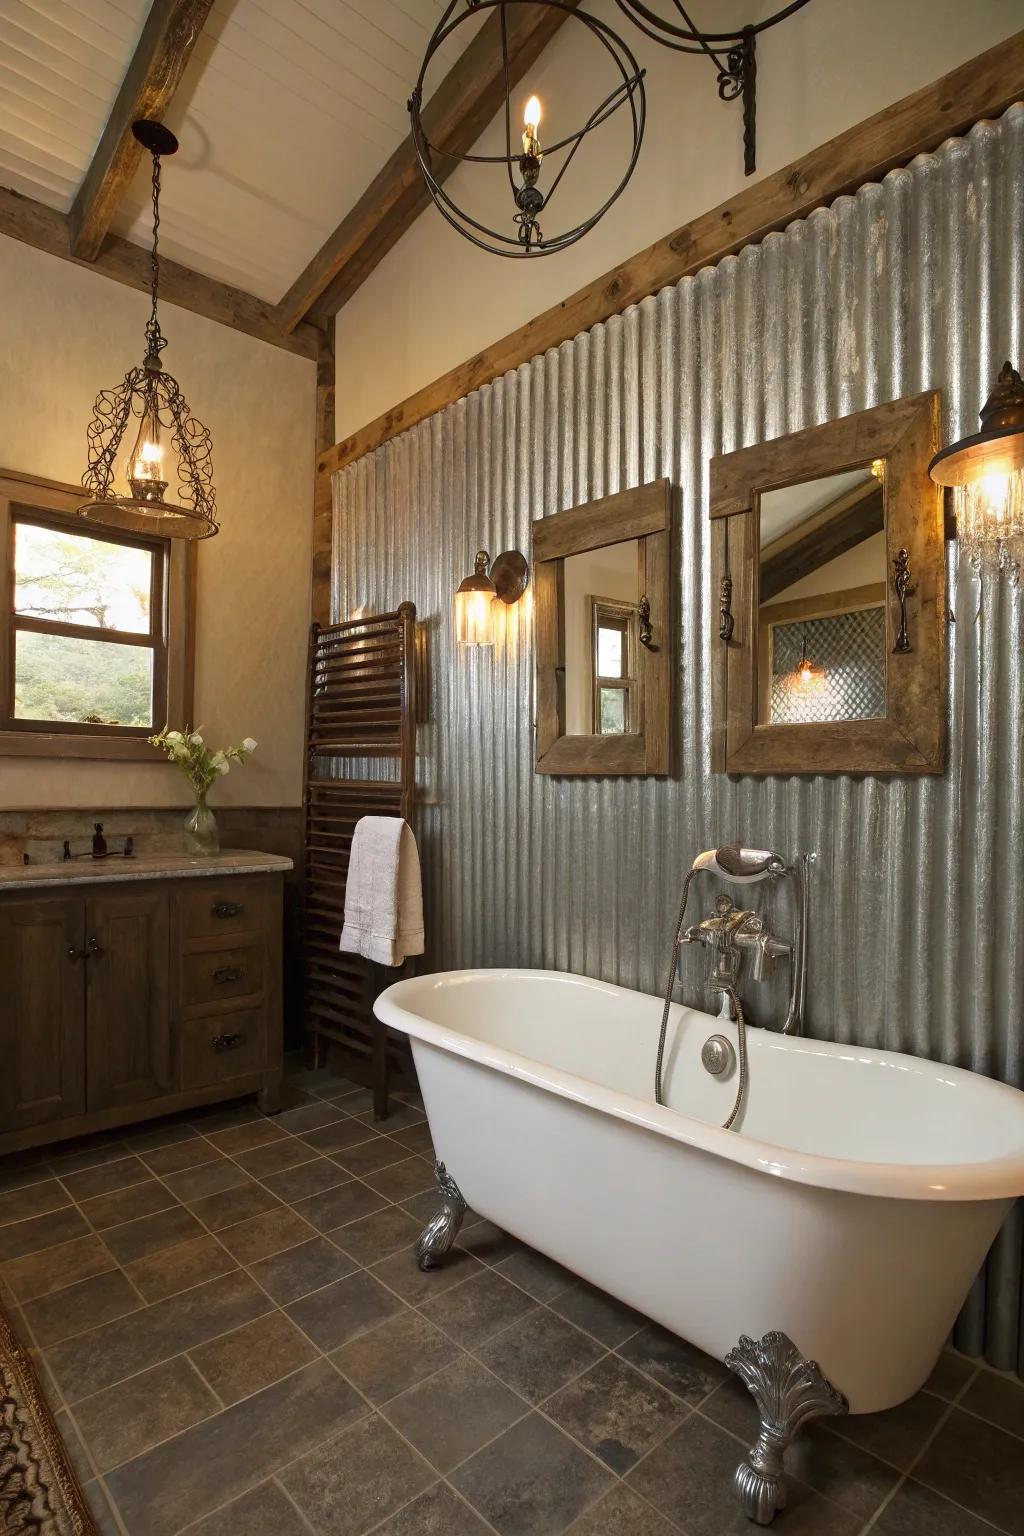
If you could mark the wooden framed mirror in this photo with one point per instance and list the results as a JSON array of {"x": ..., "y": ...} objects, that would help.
[
  {"x": 828, "y": 651},
  {"x": 603, "y": 635}
]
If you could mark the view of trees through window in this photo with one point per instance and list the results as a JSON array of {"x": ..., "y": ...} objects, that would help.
[{"x": 70, "y": 579}]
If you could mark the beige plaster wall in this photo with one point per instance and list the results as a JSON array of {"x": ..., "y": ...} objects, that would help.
[
  {"x": 65, "y": 333},
  {"x": 435, "y": 299}
]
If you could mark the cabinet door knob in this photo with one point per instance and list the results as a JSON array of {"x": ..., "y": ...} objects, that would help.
[
  {"x": 227, "y": 1042},
  {"x": 225, "y": 973},
  {"x": 92, "y": 950},
  {"x": 227, "y": 908}
]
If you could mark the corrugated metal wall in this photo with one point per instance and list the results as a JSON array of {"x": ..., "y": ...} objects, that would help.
[{"x": 916, "y": 940}]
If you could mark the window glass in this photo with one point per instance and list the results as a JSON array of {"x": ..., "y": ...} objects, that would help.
[
  {"x": 70, "y": 578},
  {"x": 613, "y": 711},
  {"x": 61, "y": 677},
  {"x": 609, "y": 652}
]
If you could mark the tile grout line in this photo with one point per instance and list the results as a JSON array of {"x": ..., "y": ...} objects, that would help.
[
  {"x": 907, "y": 1476},
  {"x": 373, "y": 1408},
  {"x": 468, "y": 1352}
]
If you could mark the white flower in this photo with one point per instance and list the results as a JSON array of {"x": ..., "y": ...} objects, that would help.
[
  {"x": 173, "y": 738},
  {"x": 197, "y": 740},
  {"x": 248, "y": 745}
]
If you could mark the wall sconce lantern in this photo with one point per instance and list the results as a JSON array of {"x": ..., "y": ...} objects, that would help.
[
  {"x": 506, "y": 581},
  {"x": 165, "y": 483},
  {"x": 986, "y": 473}
]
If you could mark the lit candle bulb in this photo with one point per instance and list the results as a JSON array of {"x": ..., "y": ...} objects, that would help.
[
  {"x": 146, "y": 474},
  {"x": 531, "y": 117}
]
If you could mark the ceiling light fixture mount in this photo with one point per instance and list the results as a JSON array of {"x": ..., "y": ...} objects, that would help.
[
  {"x": 523, "y": 166},
  {"x": 137, "y": 499},
  {"x": 733, "y": 54}
]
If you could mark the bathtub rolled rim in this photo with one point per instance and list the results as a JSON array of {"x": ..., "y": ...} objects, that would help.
[{"x": 994, "y": 1179}]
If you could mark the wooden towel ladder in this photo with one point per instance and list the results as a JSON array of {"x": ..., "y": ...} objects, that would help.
[{"x": 360, "y": 711}]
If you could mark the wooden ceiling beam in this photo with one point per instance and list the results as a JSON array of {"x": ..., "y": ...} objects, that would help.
[
  {"x": 819, "y": 539},
  {"x": 460, "y": 109},
  {"x": 981, "y": 87},
  {"x": 47, "y": 230},
  {"x": 157, "y": 65}
]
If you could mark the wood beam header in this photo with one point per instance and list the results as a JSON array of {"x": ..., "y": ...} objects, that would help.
[{"x": 47, "y": 230}]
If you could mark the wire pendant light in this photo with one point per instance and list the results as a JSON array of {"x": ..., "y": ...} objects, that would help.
[
  {"x": 168, "y": 441},
  {"x": 733, "y": 54},
  {"x": 530, "y": 166}
]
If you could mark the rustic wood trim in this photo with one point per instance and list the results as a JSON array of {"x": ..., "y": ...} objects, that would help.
[
  {"x": 981, "y": 87},
  {"x": 644, "y": 514},
  {"x": 22, "y": 218},
  {"x": 151, "y": 79},
  {"x": 911, "y": 736},
  {"x": 323, "y": 496},
  {"x": 631, "y": 514},
  {"x": 455, "y": 116},
  {"x": 55, "y": 502}
]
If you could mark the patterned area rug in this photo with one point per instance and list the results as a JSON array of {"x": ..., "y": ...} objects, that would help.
[{"x": 39, "y": 1492}]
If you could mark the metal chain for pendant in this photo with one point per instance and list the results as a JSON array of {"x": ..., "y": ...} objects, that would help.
[{"x": 155, "y": 339}]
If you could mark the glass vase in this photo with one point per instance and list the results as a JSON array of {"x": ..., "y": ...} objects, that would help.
[{"x": 201, "y": 834}]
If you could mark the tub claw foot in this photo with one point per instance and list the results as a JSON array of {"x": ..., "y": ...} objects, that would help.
[
  {"x": 788, "y": 1390},
  {"x": 441, "y": 1230}
]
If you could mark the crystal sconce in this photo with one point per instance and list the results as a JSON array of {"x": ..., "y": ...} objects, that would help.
[{"x": 986, "y": 474}]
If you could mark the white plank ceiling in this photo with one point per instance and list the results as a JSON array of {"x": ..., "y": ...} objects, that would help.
[{"x": 287, "y": 110}]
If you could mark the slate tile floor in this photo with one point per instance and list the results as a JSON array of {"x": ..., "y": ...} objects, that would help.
[{"x": 229, "y": 1319}]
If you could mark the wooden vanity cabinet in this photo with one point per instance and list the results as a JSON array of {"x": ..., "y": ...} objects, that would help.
[{"x": 120, "y": 1001}]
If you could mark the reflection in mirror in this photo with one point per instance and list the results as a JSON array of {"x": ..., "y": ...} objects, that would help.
[
  {"x": 598, "y": 621},
  {"x": 821, "y": 621}
]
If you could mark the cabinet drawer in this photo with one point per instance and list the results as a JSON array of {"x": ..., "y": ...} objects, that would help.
[
  {"x": 215, "y": 975},
  {"x": 220, "y": 1046},
  {"x": 222, "y": 907}
]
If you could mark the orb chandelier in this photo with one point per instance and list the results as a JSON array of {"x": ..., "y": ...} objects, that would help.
[
  {"x": 986, "y": 473},
  {"x": 135, "y": 491},
  {"x": 733, "y": 54},
  {"x": 534, "y": 172}
]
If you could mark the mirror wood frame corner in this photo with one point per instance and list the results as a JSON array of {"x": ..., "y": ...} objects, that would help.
[
  {"x": 910, "y": 736},
  {"x": 643, "y": 514}
]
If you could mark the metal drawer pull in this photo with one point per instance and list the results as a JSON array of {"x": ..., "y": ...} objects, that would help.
[
  {"x": 227, "y": 908},
  {"x": 228, "y": 973},
  {"x": 227, "y": 1042}
]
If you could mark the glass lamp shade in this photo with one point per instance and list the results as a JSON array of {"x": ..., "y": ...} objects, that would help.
[
  {"x": 986, "y": 474},
  {"x": 474, "y": 606},
  {"x": 144, "y": 469}
]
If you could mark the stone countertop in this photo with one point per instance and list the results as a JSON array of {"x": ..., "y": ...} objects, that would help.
[{"x": 173, "y": 866}]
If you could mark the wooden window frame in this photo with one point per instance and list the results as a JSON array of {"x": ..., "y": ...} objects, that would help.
[
  {"x": 609, "y": 613},
  {"x": 54, "y": 504},
  {"x": 911, "y": 736},
  {"x": 644, "y": 514}
]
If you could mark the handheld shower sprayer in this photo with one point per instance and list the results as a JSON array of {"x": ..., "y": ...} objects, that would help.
[{"x": 744, "y": 866}]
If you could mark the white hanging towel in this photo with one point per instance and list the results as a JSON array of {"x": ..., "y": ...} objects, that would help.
[{"x": 384, "y": 894}]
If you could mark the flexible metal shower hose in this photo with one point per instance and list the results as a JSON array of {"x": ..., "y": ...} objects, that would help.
[{"x": 731, "y": 993}]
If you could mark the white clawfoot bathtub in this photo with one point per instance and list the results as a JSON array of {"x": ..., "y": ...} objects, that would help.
[{"x": 850, "y": 1208}]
